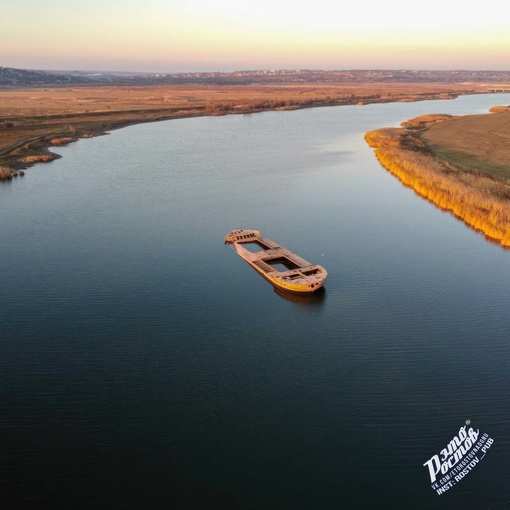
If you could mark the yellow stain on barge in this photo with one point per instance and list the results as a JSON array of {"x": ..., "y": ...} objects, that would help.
[{"x": 299, "y": 276}]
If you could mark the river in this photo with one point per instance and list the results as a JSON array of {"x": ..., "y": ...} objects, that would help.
[{"x": 144, "y": 364}]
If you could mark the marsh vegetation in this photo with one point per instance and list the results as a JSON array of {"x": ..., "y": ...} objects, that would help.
[{"x": 474, "y": 192}]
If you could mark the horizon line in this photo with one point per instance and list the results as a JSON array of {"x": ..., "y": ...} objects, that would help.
[{"x": 255, "y": 70}]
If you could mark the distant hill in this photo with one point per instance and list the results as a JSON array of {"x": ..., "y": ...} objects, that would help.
[
  {"x": 23, "y": 77},
  {"x": 11, "y": 77}
]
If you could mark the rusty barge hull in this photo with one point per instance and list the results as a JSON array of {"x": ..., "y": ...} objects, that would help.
[{"x": 281, "y": 267}]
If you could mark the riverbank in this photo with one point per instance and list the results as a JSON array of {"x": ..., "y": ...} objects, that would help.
[
  {"x": 467, "y": 175},
  {"x": 34, "y": 120}
]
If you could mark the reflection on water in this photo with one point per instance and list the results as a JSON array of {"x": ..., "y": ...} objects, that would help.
[
  {"x": 317, "y": 298},
  {"x": 4, "y": 183}
]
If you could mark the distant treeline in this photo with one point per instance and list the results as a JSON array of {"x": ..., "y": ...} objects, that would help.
[
  {"x": 23, "y": 77},
  {"x": 232, "y": 107}
]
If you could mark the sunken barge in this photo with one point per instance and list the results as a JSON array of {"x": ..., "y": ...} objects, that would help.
[{"x": 282, "y": 268}]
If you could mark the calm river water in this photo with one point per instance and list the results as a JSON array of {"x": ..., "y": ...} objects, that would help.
[{"x": 145, "y": 365}]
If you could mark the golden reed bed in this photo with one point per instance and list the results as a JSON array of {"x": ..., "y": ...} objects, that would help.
[{"x": 479, "y": 200}]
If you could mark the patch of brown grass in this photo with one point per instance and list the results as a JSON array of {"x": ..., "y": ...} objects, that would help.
[
  {"x": 61, "y": 141},
  {"x": 38, "y": 158}
]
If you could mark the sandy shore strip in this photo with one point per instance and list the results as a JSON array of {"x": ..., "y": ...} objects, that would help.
[{"x": 460, "y": 164}]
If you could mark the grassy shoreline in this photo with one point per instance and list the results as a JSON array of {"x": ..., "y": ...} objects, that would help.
[
  {"x": 32, "y": 121},
  {"x": 478, "y": 198}
]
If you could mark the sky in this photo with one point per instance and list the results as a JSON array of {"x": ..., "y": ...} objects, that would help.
[{"x": 167, "y": 36}]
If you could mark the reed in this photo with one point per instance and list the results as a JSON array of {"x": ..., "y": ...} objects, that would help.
[
  {"x": 480, "y": 201},
  {"x": 5, "y": 173}
]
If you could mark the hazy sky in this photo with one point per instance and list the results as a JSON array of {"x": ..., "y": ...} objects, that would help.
[{"x": 227, "y": 35}]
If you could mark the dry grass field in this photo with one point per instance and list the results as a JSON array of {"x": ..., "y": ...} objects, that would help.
[
  {"x": 33, "y": 119},
  {"x": 51, "y": 101},
  {"x": 476, "y": 142}
]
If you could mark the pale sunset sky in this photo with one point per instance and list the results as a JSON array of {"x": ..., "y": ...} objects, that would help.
[{"x": 227, "y": 35}]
